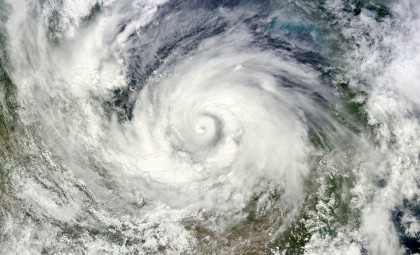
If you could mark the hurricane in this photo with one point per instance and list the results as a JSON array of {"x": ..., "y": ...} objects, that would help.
[{"x": 210, "y": 127}]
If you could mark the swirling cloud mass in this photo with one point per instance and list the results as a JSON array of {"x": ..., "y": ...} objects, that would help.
[{"x": 209, "y": 127}]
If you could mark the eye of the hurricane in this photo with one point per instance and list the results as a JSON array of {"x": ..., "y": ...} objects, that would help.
[
  {"x": 205, "y": 126},
  {"x": 200, "y": 131}
]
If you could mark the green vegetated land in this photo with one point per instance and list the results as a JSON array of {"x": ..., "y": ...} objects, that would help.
[{"x": 327, "y": 207}]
